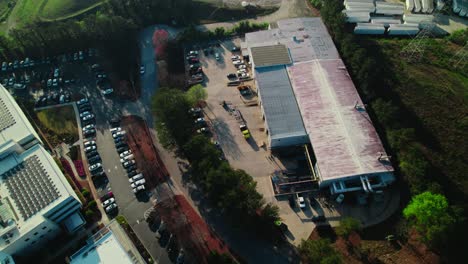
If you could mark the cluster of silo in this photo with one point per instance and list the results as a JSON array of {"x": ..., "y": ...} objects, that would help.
[
  {"x": 380, "y": 17},
  {"x": 358, "y": 10},
  {"x": 387, "y": 8},
  {"x": 420, "y": 20},
  {"x": 381, "y": 28},
  {"x": 369, "y": 29},
  {"x": 420, "y": 6},
  {"x": 403, "y": 29},
  {"x": 460, "y": 7}
]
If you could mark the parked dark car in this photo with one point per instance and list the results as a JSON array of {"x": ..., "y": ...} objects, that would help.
[
  {"x": 131, "y": 168},
  {"x": 132, "y": 173},
  {"x": 121, "y": 149},
  {"x": 231, "y": 76},
  {"x": 92, "y": 154},
  {"x": 85, "y": 109},
  {"x": 107, "y": 196},
  {"x": 119, "y": 139},
  {"x": 114, "y": 122},
  {"x": 94, "y": 159},
  {"x": 121, "y": 144}
]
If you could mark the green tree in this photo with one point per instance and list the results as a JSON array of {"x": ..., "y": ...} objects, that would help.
[
  {"x": 219, "y": 32},
  {"x": 347, "y": 226},
  {"x": 385, "y": 111},
  {"x": 216, "y": 258},
  {"x": 430, "y": 215},
  {"x": 196, "y": 94},
  {"x": 171, "y": 108},
  {"x": 319, "y": 251}
]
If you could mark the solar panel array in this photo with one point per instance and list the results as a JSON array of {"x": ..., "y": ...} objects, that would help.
[
  {"x": 30, "y": 186},
  {"x": 6, "y": 118}
]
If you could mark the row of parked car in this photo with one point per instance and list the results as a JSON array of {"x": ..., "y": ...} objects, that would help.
[
  {"x": 108, "y": 202},
  {"x": 136, "y": 179},
  {"x": 195, "y": 69},
  {"x": 87, "y": 117},
  {"x": 102, "y": 82},
  {"x": 53, "y": 98}
]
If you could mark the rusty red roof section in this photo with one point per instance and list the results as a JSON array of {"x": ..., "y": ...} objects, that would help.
[{"x": 343, "y": 137}]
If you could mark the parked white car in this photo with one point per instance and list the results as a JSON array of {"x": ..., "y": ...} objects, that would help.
[
  {"x": 118, "y": 134},
  {"x": 135, "y": 178},
  {"x": 126, "y": 158},
  {"x": 138, "y": 188},
  {"x": 108, "y": 202},
  {"x": 111, "y": 207},
  {"x": 115, "y": 129},
  {"x": 139, "y": 182},
  {"x": 95, "y": 166},
  {"x": 89, "y": 143},
  {"x": 88, "y": 127},
  {"x": 82, "y": 101},
  {"x": 125, "y": 153},
  {"x": 89, "y": 149},
  {"x": 88, "y": 117}
]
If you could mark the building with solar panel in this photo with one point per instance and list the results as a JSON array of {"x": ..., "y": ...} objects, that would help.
[
  {"x": 307, "y": 98},
  {"x": 36, "y": 201}
]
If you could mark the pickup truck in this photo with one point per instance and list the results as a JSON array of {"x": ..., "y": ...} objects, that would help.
[{"x": 245, "y": 131}]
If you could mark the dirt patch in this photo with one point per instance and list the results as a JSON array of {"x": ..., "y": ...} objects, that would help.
[
  {"x": 188, "y": 228},
  {"x": 146, "y": 156}
]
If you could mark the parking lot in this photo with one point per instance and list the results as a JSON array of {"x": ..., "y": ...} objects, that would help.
[
  {"x": 222, "y": 115},
  {"x": 44, "y": 81}
]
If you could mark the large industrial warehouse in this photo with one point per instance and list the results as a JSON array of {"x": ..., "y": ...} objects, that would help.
[{"x": 307, "y": 96}]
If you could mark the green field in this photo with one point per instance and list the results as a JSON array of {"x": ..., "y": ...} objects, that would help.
[
  {"x": 54, "y": 9},
  {"x": 436, "y": 93},
  {"x": 26, "y": 11},
  {"x": 6, "y": 6}
]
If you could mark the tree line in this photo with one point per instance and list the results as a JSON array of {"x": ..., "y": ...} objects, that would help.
[
  {"x": 375, "y": 78},
  {"x": 113, "y": 29},
  {"x": 231, "y": 191}
]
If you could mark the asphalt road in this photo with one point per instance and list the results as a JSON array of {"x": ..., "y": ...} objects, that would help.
[{"x": 130, "y": 206}]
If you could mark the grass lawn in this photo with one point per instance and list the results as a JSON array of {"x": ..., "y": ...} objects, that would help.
[
  {"x": 26, "y": 11},
  {"x": 29, "y": 10},
  {"x": 59, "y": 124},
  {"x": 6, "y": 6},
  {"x": 437, "y": 94},
  {"x": 59, "y": 8}
]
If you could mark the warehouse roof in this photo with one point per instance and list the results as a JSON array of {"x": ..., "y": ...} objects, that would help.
[
  {"x": 280, "y": 106},
  {"x": 343, "y": 137},
  {"x": 306, "y": 38},
  {"x": 270, "y": 55}
]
